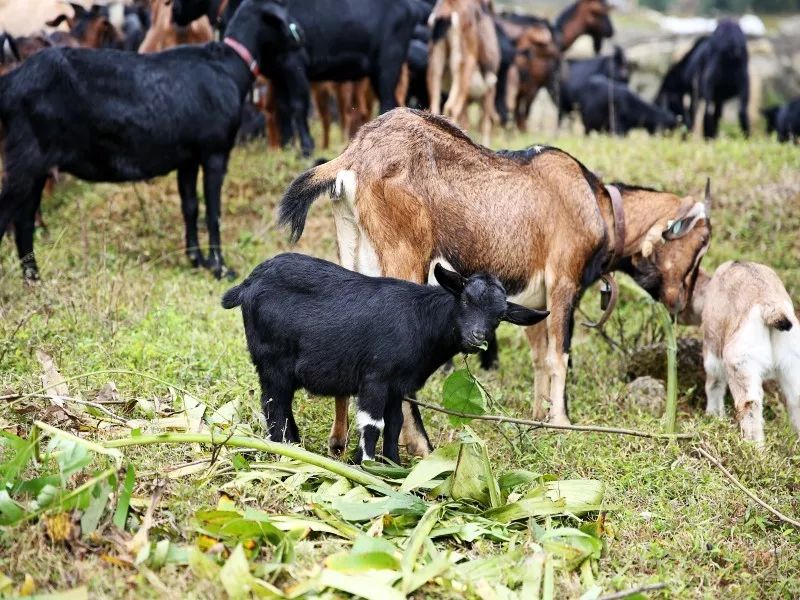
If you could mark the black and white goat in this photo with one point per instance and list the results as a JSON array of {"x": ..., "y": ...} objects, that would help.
[{"x": 314, "y": 325}]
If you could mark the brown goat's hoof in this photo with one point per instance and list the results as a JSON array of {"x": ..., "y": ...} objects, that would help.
[{"x": 337, "y": 447}]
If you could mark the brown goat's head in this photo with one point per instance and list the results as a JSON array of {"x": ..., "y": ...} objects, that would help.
[
  {"x": 537, "y": 42},
  {"x": 670, "y": 258},
  {"x": 91, "y": 28},
  {"x": 594, "y": 15}
]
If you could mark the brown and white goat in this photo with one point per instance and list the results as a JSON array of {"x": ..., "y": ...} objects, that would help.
[
  {"x": 750, "y": 335},
  {"x": 164, "y": 33},
  {"x": 463, "y": 37},
  {"x": 412, "y": 190}
]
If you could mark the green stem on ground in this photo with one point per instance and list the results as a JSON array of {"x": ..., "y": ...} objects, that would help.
[{"x": 293, "y": 452}]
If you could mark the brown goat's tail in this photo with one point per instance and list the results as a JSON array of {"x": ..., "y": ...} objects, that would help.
[
  {"x": 301, "y": 194},
  {"x": 775, "y": 317}
]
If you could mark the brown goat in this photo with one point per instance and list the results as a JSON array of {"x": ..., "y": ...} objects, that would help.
[
  {"x": 163, "y": 33},
  {"x": 411, "y": 190},
  {"x": 584, "y": 17},
  {"x": 533, "y": 68},
  {"x": 463, "y": 36},
  {"x": 96, "y": 31}
]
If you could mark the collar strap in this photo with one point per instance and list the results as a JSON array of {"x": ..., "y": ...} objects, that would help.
[
  {"x": 619, "y": 224},
  {"x": 244, "y": 54}
]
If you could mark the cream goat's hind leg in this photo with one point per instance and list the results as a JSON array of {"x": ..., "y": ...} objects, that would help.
[
  {"x": 748, "y": 398},
  {"x": 459, "y": 93},
  {"x": 716, "y": 384},
  {"x": 537, "y": 339},
  {"x": 436, "y": 62}
]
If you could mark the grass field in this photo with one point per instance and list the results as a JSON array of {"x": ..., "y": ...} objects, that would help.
[{"x": 117, "y": 294}]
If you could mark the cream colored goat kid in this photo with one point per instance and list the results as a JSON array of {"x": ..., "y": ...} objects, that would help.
[{"x": 750, "y": 335}]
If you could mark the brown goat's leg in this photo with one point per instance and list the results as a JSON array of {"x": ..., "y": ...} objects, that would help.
[
  {"x": 320, "y": 92},
  {"x": 560, "y": 302},
  {"x": 537, "y": 339},
  {"x": 487, "y": 117},
  {"x": 436, "y": 63},
  {"x": 337, "y": 441},
  {"x": 401, "y": 90}
]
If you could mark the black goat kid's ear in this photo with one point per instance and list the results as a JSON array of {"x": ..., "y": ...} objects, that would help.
[
  {"x": 519, "y": 315},
  {"x": 450, "y": 280},
  {"x": 57, "y": 21}
]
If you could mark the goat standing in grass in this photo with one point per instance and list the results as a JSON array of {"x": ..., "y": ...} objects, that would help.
[
  {"x": 314, "y": 325},
  {"x": 412, "y": 189},
  {"x": 111, "y": 115},
  {"x": 750, "y": 334}
]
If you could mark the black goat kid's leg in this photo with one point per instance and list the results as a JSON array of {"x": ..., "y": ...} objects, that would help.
[
  {"x": 370, "y": 408},
  {"x": 711, "y": 119},
  {"x": 213, "y": 175},
  {"x": 276, "y": 402},
  {"x": 187, "y": 188},
  {"x": 393, "y": 415},
  {"x": 24, "y": 225}
]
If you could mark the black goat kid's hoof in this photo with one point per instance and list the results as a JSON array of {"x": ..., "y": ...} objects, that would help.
[{"x": 223, "y": 271}]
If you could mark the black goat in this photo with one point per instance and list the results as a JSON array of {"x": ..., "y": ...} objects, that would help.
[
  {"x": 784, "y": 120},
  {"x": 346, "y": 40},
  {"x": 314, "y": 325},
  {"x": 614, "y": 66},
  {"x": 715, "y": 71},
  {"x": 610, "y": 106},
  {"x": 111, "y": 115}
]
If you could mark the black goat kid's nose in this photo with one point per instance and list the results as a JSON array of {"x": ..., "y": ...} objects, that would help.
[{"x": 478, "y": 335}]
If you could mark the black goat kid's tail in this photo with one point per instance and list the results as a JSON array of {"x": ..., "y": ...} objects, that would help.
[
  {"x": 301, "y": 194},
  {"x": 233, "y": 297}
]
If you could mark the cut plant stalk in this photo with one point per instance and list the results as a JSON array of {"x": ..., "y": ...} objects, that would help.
[{"x": 334, "y": 466}]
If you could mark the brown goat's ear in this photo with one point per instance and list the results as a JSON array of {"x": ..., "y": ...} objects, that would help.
[
  {"x": 450, "y": 280},
  {"x": 519, "y": 315},
  {"x": 707, "y": 197},
  {"x": 58, "y": 21}
]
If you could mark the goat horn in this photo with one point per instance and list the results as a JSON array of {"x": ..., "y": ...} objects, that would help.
[
  {"x": 707, "y": 196},
  {"x": 612, "y": 302}
]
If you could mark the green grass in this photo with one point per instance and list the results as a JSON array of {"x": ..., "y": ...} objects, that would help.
[{"x": 117, "y": 294}]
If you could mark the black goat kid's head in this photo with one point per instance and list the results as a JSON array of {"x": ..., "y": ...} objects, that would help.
[{"x": 481, "y": 306}]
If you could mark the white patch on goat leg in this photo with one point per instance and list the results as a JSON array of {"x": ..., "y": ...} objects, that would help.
[
  {"x": 344, "y": 217},
  {"x": 558, "y": 380},
  {"x": 363, "y": 419},
  {"x": 716, "y": 384}
]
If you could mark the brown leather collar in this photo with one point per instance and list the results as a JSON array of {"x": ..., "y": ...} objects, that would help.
[
  {"x": 244, "y": 54},
  {"x": 619, "y": 225}
]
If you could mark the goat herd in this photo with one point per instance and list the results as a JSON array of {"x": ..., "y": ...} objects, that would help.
[{"x": 415, "y": 201}]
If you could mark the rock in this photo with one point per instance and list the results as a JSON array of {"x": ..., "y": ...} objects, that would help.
[
  {"x": 651, "y": 361},
  {"x": 647, "y": 394}
]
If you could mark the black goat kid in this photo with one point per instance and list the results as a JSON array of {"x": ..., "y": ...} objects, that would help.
[
  {"x": 314, "y": 325},
  {"x": 110, "y": 115}
]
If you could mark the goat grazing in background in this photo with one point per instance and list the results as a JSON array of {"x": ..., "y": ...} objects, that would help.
[
  {"x": 784, "y": 120},
  {"x": 314, "y": 325},
  {"x": 750, "y": 335},
  {"x": 111, "y": 115},
  {"x": 411, "y": 190}
]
